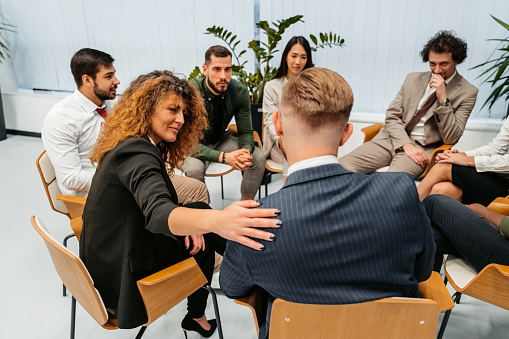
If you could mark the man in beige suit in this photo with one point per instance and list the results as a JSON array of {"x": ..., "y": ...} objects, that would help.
[{"x": 430, "y": 109}]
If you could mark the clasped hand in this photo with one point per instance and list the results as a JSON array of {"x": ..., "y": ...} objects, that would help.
[
  {"x": 240, "y": 159},
  {"x": 453, "y": 156}
]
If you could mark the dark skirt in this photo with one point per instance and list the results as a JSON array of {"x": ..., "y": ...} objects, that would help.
[{"x": 479, "y": 187}]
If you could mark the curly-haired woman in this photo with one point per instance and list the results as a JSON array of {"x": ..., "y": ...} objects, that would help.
[{"x": 132, "y": 224}]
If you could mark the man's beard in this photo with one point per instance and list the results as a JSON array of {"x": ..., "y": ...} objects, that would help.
[
  {"x": 103, "y": 95},
  {"x": 211, "y": 85}
]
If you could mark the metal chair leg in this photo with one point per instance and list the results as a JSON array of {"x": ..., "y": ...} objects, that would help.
[
  {"x": 447, "y": 314},
  {"x": 222, "y": 191},
  {"x": 140, "y": 333},
  {"x": 458, "y": 298},
  {"x": 69, "y": 236},
  {"x": 216, "y": 310},
  {"x": 73, "y": 317}
]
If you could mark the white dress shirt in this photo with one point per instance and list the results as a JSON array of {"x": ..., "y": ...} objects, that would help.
[
  {"x": 493, "y": 157},
  {"x": 69, "y": 134},
  {"x": 312, "y": 162}
]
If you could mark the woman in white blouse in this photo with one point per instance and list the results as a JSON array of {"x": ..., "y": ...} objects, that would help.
[
  {"x": 479, "y": 175},
  {"x": 296, "y": 58}
]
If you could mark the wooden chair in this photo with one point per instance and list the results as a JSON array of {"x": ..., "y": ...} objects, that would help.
[
  {"x": 491, "y": 285},
  {"x": 384, "y": 318},
  {"x": 371, "y": 131},
  {"x": 56, "y": 199},
  {"x": 160, "y": 291}
]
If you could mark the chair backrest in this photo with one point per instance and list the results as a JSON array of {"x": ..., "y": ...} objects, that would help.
[
  {"x": 384, "y": 318},
  {"x": 47, "y": 173},
  {"x": 74, "y": 275}
]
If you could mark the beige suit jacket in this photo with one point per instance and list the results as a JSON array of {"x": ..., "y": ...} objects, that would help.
[{"x": 445, "y": 125}]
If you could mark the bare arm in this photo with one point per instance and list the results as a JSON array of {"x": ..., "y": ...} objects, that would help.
[{"x": 237, "y": 222}]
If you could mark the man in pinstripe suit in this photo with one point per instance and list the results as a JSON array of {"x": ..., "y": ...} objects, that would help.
[{"x": 345, "y": 237}]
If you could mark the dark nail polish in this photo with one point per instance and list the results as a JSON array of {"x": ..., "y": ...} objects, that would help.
[
  {"x": 272, "y": 237},
  {"x": 187, "y": 247},
  {"x": 261, "y": 248},
  {"x": 279, "y": 223},
  {"x": 277, "y": 212}
]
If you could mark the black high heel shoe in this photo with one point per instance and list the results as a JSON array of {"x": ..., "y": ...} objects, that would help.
[{"x": 188, "y": 324}]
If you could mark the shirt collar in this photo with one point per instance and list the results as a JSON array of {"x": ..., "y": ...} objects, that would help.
[
  {"x": 449, "y": 80},
  {"x": 85, "y": 103},
  {"x": 312, "y": 162},
  {"x": 152, "y": 141}
]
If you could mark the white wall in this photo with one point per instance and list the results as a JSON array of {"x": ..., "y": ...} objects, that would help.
[
  {"x": 479, "y": 131},
  {"x": 140, "y": 35},
  {"x": 383, "y": 39}
]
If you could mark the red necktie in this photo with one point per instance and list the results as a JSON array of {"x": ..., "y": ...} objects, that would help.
[{"x": 102, "y": 112}]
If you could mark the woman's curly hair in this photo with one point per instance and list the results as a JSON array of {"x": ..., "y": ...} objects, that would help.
[
  {"x": 445, "y": 42},
  {"x": 132, "y": 116}
]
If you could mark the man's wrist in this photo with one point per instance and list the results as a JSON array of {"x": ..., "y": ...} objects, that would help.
[
  {"x": 446, "y": 102},
  {"x": 224, "y": 157},
  {"x": 403, "y": 148}
]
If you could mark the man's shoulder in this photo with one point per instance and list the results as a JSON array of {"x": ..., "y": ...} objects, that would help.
[
  {"x": 197, "y": 82},
  {"x": 64, "y": 107},
  {"x": 466, "y": 85},
  {"x": 417, "y": 75},
  {"x": 238, "y": 86}
]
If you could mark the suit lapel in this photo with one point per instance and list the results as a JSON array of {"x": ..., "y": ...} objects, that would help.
[{"x": 418, "y": 89}]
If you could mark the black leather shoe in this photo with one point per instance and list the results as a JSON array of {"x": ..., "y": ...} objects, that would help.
[{"x": 188, "y": 324}]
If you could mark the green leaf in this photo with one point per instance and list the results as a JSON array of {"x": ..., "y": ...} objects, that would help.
[
  {"x": 503, "y": 24},
  {"x": 501, "y": 70},
  {"x": 313, "y": 38}
]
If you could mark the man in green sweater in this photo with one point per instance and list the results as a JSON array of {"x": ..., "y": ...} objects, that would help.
[{"x": 224, "y": 98}]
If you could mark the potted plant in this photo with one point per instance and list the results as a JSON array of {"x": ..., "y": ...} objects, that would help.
[
  {"x": 264, "y": 52},
  {"x": 498, "y": 72},
  {"x": 4, "y": 49}
]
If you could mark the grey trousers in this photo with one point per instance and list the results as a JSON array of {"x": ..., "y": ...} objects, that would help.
[
  {"x": 253, "y": 176},
  {"x": 376, "y": 154}
]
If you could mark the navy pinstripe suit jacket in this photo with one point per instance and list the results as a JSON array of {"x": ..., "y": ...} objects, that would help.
[{"x": 346, "y": 238}]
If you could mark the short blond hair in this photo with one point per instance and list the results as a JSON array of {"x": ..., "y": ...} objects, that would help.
[{"x": 318, "y": 96}]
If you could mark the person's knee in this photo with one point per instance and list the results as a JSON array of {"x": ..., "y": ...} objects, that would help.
[
  {"x": 433, "y": 201},
  {"x": 195, "y": 173},
  {"x": 258, "y": 158},
  {"x": 443, "y": 188}
]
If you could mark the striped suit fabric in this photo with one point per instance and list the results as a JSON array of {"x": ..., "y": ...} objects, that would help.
[{"x": 345, "y": 238}]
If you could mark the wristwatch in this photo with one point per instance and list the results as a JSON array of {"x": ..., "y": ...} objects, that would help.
[{"x": 446, "y": 102}]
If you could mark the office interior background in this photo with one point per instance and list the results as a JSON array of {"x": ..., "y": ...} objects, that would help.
[{"x": 383, "y": 39}]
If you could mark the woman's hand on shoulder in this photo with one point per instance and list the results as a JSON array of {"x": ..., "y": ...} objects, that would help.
[{"x": 239, "y": 222}]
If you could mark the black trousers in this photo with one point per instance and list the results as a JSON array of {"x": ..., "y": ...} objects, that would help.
[
  {"x": 197, "y": 302},
  {"x": 460, "y": 231}
]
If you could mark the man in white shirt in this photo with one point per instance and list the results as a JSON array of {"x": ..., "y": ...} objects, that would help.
[
  {"x": 72, "y": 126},
  {"x": 430, "y": 109}
]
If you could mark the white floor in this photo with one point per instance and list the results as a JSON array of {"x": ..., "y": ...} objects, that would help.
[{"x": 32, "y": 305}]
